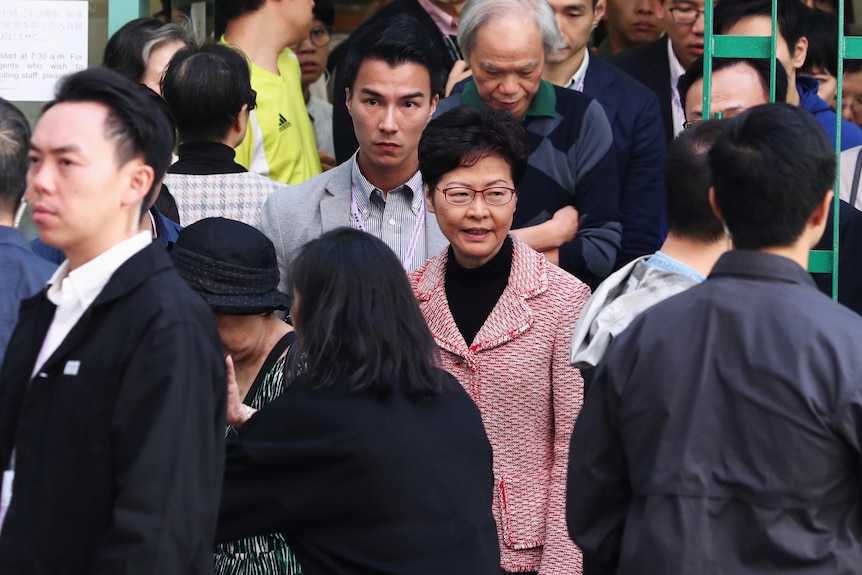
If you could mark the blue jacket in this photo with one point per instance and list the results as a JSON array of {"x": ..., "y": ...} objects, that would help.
[
  {"x": 22, "y": 274},
  {"x": 639, "y": 142},
  {"x": 851, "y": 134}
]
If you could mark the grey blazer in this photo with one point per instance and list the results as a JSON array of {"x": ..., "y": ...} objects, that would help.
[{"x": 298, "y": 214}]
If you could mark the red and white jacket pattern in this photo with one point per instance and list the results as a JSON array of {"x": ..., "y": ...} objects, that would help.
[{"x": 517, "y": 371}]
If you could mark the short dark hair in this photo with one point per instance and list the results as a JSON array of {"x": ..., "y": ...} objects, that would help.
[
  {"x": 205, "y": 90},
  {"x": 466, "y": 134},
  {"x": 231, "y": 9},
  {"x": 131, "y": 124},
  {"x": 771, "y": 167},
  {"x": 852, "y": 66},
  {"x": 821, "y": 29},
  {"x": 396, "y": 41},
  {"x": 687, "y": 181},
  {"x": 128, "y": 50},
  {"x": 227, "y": 10},
  {"x": 760, "y": 65},
  {"x": 791, "y": 16},
  {"x": 14, "y": 149},
  {"x": 358, "y": 321},
  {"x": 324, "y": 11}
]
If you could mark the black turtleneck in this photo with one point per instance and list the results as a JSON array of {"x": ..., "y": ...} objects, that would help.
[
  {"x": 204, "y": 159},
  {"x": 472, "y": 293}
]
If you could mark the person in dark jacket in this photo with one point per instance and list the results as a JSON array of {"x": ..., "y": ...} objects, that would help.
[
  {"x": 112, "y": 399},
  {"x": 375, "y": 460},
  {"x": 722, "y": 431}
]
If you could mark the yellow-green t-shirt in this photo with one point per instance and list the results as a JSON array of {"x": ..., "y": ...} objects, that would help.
[{"x": 280, "y": 140}]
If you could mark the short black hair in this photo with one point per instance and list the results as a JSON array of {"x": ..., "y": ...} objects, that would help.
[
  {"x": 821, "y": 29},
  {"x": 687, "y": 181},
  {"x": 227, "y": 10},
  {"x": 131, "y": 123},
  {"x": 791, "y": 16},
  {"x": 231, "y": 9},
  {"x": 852, "y": 66},
  {"x": 771, "y": 167},
  {"x": 396, "y": 41},
  {"x": 205, "y": 90},
  {"x": 357, "y": 319},
  {"x": 466, "y": 134},
  {"x": 14, "y": 149},
  {"x": 760, "y": 65},
  {"x": 324, "y": 11},
  {"x": 129, "y": 48}
]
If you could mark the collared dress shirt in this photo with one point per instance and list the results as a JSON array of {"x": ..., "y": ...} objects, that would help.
[{"x": 393, "y": 219}]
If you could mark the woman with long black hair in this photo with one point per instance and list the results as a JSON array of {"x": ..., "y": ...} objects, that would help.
[{"x": 375, "y": 460}]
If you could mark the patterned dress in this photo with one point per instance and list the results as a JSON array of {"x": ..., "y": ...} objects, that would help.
[{"x": 263, "y": 554}]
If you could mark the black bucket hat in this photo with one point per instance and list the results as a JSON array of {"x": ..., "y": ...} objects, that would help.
[{"x": 232, "y": 266}]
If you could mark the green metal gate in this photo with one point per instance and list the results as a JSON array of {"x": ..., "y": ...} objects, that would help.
[{"x": 721, "y": 46}]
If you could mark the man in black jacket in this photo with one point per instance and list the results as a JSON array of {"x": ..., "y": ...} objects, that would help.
[
  {"x": 112, "y": 392},
  {"x": 722, "y": 431}
]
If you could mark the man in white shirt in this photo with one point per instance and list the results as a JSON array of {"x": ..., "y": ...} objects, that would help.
[{"x": 112, "y": 393}]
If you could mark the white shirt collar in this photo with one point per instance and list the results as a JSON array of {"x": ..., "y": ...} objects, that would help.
[
  {"x": 676, "y": 71},
  {"x": 361, "y": 184},
  {"x": 86, "y": 282},
  {"x": 577, "y": 81}
]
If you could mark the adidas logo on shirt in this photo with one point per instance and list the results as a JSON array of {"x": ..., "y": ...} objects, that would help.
[{"x": 283, "y": 124}]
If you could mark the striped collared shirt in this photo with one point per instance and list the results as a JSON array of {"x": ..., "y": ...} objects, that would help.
[{"x": 393, "y": 219}]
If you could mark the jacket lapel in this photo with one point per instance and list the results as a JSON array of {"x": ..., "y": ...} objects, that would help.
[
  {"x": 141, "y": 266},
  {"x": 597, "y": 83},
  {"x": 512, "y": 315},
  {"x": 335, "y": 205},
  {"x": 509, "y": 318},
  {"x": 431, "y": 293}
]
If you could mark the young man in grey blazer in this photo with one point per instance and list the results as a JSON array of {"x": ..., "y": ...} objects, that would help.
[{"x": 393, "y": 87}]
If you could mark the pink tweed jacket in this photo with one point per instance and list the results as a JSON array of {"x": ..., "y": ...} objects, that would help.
[{"x": 517, "y": 371}]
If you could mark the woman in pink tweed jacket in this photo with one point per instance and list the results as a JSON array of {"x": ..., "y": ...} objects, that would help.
[{"x": 503, "y": 317}]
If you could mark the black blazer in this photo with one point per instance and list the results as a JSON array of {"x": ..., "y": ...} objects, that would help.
[
  {"x": 648, "y": 64},
  {"x": 119, "y": 437},
  {"x": 342, "y": 125},
  {"x": 361, "y": 484}
]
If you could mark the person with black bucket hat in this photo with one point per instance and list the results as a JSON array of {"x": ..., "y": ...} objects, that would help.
[{"x": 233, "y": 267}]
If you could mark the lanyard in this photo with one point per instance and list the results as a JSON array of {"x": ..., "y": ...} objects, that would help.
[{"x": 414, "y": 237}]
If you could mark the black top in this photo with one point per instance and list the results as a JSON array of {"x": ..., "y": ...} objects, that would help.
[
  {"x": 472, "y": 293},
  {"x": 363, "y": 484},
  {"x": 204, "y": 159},
  {"x": 723, "y": 432}
]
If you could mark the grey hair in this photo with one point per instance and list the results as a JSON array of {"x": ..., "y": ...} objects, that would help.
[
  {"x": 170, "y": 32},
  {"x": 477, "y": 13},
  {"x": 14, "y": 150}
]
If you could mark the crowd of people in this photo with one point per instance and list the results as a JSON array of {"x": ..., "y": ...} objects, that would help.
[{"x": 507, "y": 299}]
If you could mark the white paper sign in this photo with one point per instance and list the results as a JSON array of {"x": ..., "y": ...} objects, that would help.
[{"x": 40, "y": 42}]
